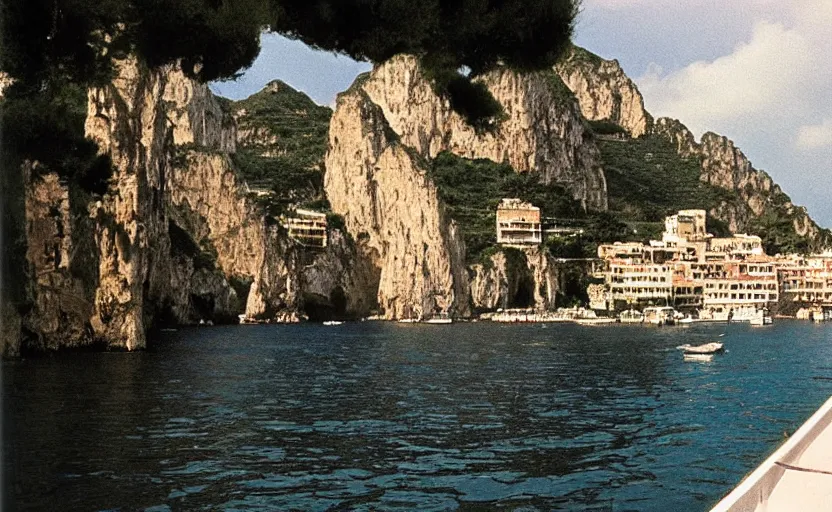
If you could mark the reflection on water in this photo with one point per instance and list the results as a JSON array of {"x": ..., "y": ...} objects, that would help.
[{"x": 380, "y": 416}]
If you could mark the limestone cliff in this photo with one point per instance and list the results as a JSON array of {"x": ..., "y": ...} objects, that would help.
[
  {"x": 387, "y": 130},
  {"x": 340, "y": 283},
  {"x": 603, "y": 91},
  {"x": 542, "y": 132},
  {"x": 173, "y": 239},
  {"x": 211, "y": 203},
  {"x": 723, "y": 165},
  {"x": 742, "y": 197},
  {"x": 515, "y": 278},
  {"x": 393, "y": 210}
]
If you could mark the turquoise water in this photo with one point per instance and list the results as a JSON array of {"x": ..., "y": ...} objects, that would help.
[{"x": 385, "y": 416}]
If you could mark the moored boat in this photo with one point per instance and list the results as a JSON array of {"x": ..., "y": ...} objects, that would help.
[
  {"x": 440, "y": 319},
  {"x": 595, "y": 321},
  {"x": 708, "y": 348},
  {"x": 659, "y": 315},
  {"x": 631, "y": 316},
  {"x": 333, "y": 322},
  {"x": 701, "y": 358}
]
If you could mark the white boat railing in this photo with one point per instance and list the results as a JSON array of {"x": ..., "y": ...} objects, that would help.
[{"x": 753, "y": 492}]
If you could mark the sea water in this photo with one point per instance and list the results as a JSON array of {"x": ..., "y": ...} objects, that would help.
[{"x": 387, "y": 416}]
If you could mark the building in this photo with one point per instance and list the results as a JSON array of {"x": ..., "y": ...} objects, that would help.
[
  {"x": 518, "y": 223},
  {"x": 639, "y": 283},
  {"x": 746, "y": 285},
  {"x": 806, "y": 280},
  {"x": 307, "y": 227},
  {"x": 739, "y": 246},
  {"x": 692, "y": 270},
  {"x": 687, "y": 225}
]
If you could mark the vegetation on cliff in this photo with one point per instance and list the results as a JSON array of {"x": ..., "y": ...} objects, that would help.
[
  {"x": 282, "y": 139},
  {"x": 472, "y": 189},
  {"x": 648, "y": 180}
]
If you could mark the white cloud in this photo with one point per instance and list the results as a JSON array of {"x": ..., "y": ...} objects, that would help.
[
  {"x": 815, "y": 136},
  {"x": 754, "y": 81}
]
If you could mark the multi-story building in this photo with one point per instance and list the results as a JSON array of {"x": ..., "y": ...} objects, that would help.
[
  {"x": 746, "y": 285},
  {"x": 639, "y": 283},
  {"x": 806, "y": 280},
  {"x": 739, "y": 246},
  {"x": 518, "y": 223},
  {"x": 307, "y": 227},
  {"x": 687, "y": 225},
  {"x": 692, "y": 270}
]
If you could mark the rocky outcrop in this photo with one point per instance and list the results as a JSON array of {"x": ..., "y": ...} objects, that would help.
[
  {"x": 542, "y": 131},
  {"x": 340, "y": 280},
  {"x": 383, "y": 134},
  {"x": 603, "y": 91},
  {"x": 606, "y": 94},
  {"x": 61, "y": 303},
  {"x": 528, "y": 278},
  {"x": 726, "y": 166},
  {"x": 211, "y": 202},
  {"x": 393, "y": 209},
  {"x": 172, "y": 240}
]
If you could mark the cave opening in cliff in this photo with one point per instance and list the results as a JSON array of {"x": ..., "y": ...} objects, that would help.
[
  {"x": 524, "y": 297},
  {"x": 203, "y": 306},
  {"x": 319, "y": 308}
]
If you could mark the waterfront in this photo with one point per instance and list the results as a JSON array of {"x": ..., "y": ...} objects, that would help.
[{"x": 385, "y": 416}]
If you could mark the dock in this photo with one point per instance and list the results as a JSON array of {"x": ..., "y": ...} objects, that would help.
[{"x": 798, "y": 476}]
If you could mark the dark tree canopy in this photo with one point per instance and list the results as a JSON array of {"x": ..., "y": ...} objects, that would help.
[
  {"x": 217, "y": 38},
  {"x": 54, "y": 49}
]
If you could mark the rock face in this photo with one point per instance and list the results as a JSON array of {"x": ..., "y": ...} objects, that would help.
[
  {"x": 210, "y": 202},
  {"x": 725, "y": 166},
  {"x": 604, "y": 92},
  {"x": 340, "y": 280},
  {"x": 542, "y": 133},
  {"x": 385, "y": 131},
  {"x": 519, "y": 278},
  {"x": 393, "y": 210},
  {"x": 167, "y": 241}
]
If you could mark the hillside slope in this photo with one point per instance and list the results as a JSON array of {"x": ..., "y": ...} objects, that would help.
[{"x": 656, "y": 167}]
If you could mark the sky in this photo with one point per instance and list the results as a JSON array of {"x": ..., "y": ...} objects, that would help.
[{"x": 756, "y": 71}]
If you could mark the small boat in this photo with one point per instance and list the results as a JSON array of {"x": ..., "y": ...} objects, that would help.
[
  {"x": 631, "y": 316},
  {"x": 333, "y": 322},
  {"x": 708, "y": 348},
  {"x": 659, "y": 315},
  {"x": 700, "y": 358},
  {"x": 595, "y": 321},
  {"x": 686, "y": 320},
  {"x": 439, "y": 318},
  {"x": 408, "y": 320}
]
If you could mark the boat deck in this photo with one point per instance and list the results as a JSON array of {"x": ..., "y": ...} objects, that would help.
[{"x": 798, "y": 476}]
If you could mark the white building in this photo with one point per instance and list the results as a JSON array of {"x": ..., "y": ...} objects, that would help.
[
  {"x": 307, "y": 227},
  {"x": 518, "y": 223}
]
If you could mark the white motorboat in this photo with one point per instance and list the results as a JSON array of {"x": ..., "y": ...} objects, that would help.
[
  {"x": 595, "y": 321},
  {"x": 686, "y": 320},
  {"x": 700, "y": 358},
  {"x": 408, "y": 320},
  {"x": 439, "y": 321},
  {"x": 333, "y": 322},
  {"x": 631, "y": 316},
  {"x": 708, "y": 348},
  {"x": 660, "y": 315}
]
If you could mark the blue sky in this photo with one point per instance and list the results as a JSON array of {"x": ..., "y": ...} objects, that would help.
[{"x": 757, "y": 71}]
